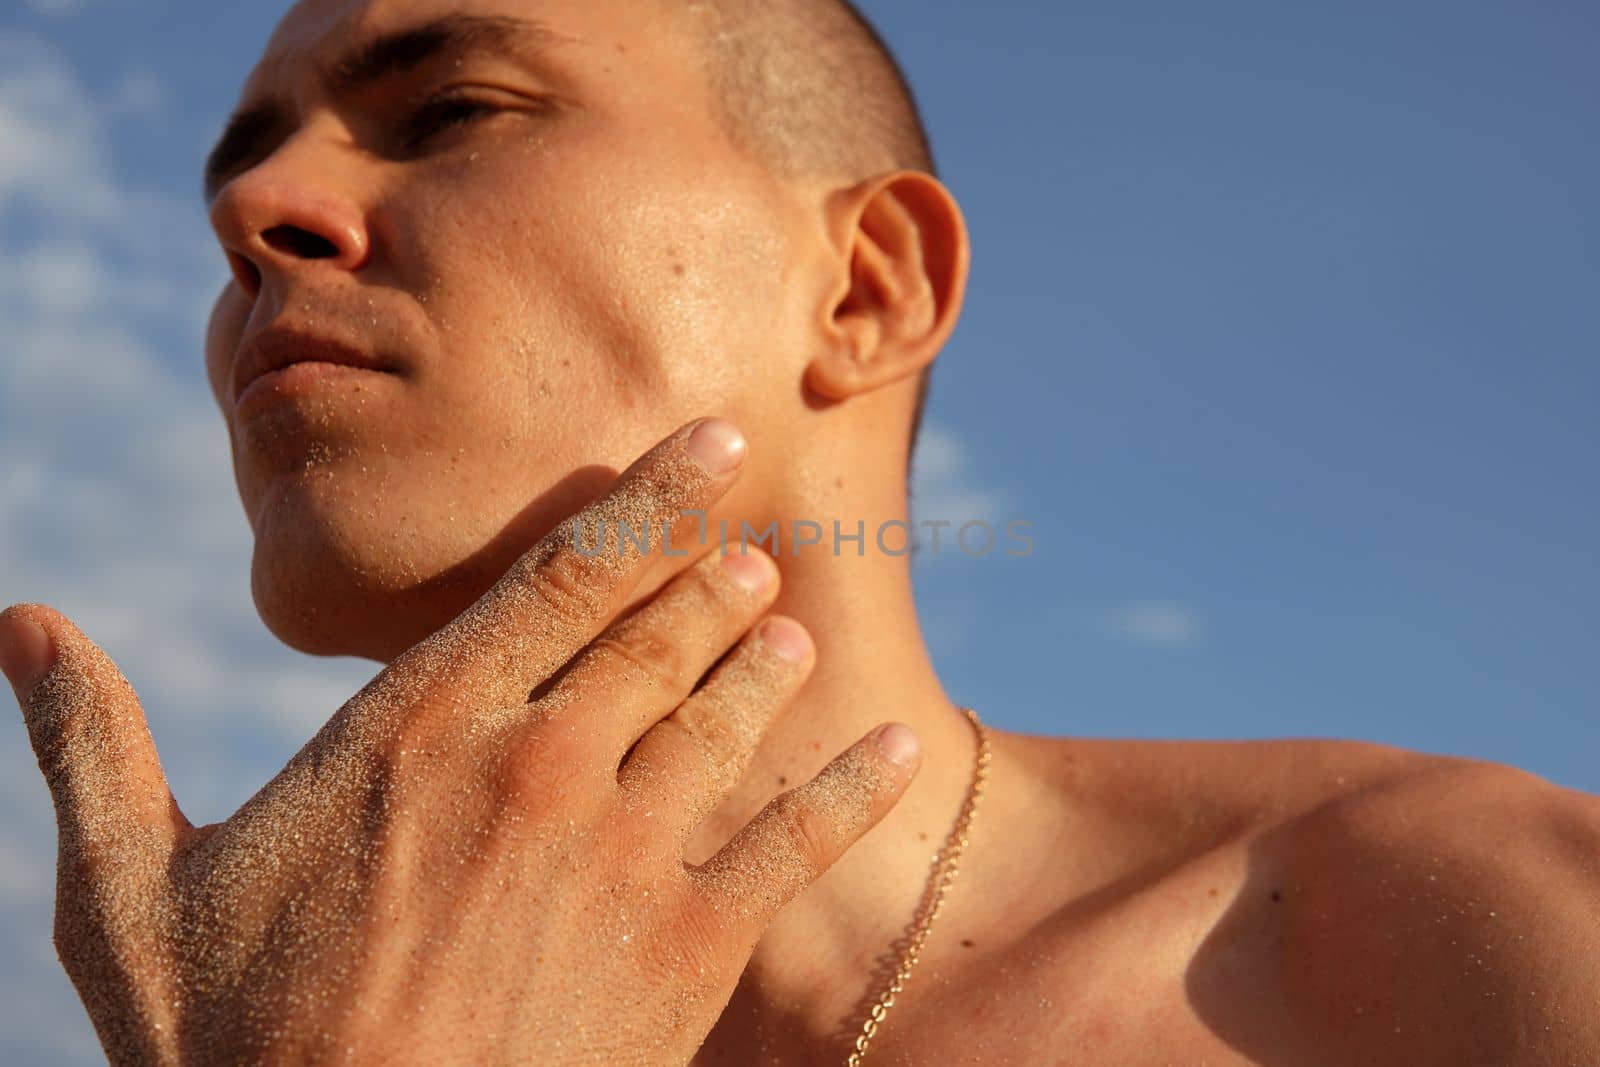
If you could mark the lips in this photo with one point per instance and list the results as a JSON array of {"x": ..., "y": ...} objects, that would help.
[{"x": 279, "y": 347}]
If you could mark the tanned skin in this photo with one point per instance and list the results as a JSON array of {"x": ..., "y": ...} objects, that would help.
[{"x": 560, "y": 259}]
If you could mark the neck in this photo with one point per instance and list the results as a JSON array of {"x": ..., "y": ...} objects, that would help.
[{"x": 827, "y": 955}]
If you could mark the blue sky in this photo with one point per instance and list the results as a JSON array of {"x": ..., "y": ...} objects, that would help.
[{"x": 1282, "y": 333}]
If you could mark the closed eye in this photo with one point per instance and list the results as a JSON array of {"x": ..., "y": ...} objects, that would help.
[{"x": 440, "y": 114}]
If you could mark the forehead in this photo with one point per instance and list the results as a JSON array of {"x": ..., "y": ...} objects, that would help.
[{"x": 601, "y": 34}]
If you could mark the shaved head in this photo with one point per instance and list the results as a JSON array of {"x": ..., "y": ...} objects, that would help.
[{"x": 809, "y": 88}]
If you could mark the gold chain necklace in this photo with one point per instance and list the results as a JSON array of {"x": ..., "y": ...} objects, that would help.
[{"x": 945, "y": 867}]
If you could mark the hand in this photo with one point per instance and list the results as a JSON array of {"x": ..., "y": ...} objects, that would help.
[{"x": 452, "y": 870}]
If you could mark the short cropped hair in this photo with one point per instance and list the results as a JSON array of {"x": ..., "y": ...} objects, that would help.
[{"x": 810, "y": 88}]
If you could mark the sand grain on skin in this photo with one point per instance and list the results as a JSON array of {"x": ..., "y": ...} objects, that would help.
[{"x": 225, "y": 945}]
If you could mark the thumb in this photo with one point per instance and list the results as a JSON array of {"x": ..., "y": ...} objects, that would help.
[
  {"x": 25, "y": 653},
  {"x": 89, "y": 734}
]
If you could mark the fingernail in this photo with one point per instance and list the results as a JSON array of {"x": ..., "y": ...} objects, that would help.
[
  {"x": 753, "y": 571},
  {"x": 787, "y": 638},
  {"x": 24, "y": 654},
  {"x": 898, "y": 744},
  {"x": 718, "y": 445}
]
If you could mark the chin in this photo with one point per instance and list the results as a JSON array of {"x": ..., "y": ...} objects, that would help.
[
  {"x": 315, "y": 610},
  {"x": 334, "y": 592}
]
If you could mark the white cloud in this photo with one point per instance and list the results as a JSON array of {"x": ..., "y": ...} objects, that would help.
[
  {"x": 117, "y": 501},
  {"x": 1168, "y": 625},
  {"x": 117, "y": 504},
  {"x": 944, "y": 484},
  {"x": 55, "y": 157}
]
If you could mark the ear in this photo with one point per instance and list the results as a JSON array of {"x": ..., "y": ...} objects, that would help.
[{"x": 907, "y": 262}]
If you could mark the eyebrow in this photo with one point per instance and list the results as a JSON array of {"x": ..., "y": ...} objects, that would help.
[{"x": 387, "y": 56}]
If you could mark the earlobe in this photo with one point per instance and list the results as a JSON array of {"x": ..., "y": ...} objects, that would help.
[{"x": 907, "y": 265}]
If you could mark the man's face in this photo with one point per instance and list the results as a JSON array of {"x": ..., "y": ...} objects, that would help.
[{"x": 548, "y": 238}]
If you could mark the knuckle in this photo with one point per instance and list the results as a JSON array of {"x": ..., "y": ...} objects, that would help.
[
  {"x": 807, "y": 831},
  {"x": 709, "y": 606},
  {"x": 716, "y": 589},
  {"x": 423, "y": 726},
  {"x": 569, "y": 584},
  {"x": 541, "y": 770},
  {"x": 646, "y": 654},
  {"x": 708, "y": 726},
  {"x": 685, "y": 744},
  {"x": 734, "y": 712}
]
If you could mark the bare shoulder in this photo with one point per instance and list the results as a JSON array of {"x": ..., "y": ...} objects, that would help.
[
  {"x": 1363, "y": 790},
  {"x": 1184, "y": 795},
  {"x": 1452, "y": 907},
  {"x": 1346, "y": 902},
  {"x": 1480, "y": 836},
  {"x": 1439, "y": 810}
]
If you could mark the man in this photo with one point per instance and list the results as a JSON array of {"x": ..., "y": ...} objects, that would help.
[{"x": 542, "y": 236}]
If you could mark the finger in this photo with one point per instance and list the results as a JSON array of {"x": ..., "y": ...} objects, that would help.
[
  {"x": 555, "y": 598},
  {"x": 690, "y": 761},
  {"x": 644, "y": 666},
  {"x": 802, "y": 832},
  {"x": 93, "y": 745}
]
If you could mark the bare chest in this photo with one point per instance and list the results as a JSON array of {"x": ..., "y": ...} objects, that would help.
[
  {"x": 1115, "y": 989},
  {"x": 1107, "y": 998}
]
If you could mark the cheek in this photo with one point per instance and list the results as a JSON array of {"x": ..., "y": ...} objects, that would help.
[
  {"x": 497, "y": 252},
  {"x": 725, "y": 301},
  {"x": 626, "y": 298}
]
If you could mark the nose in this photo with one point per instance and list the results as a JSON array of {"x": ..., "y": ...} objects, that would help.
[{"x": 287, "y": 214}]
